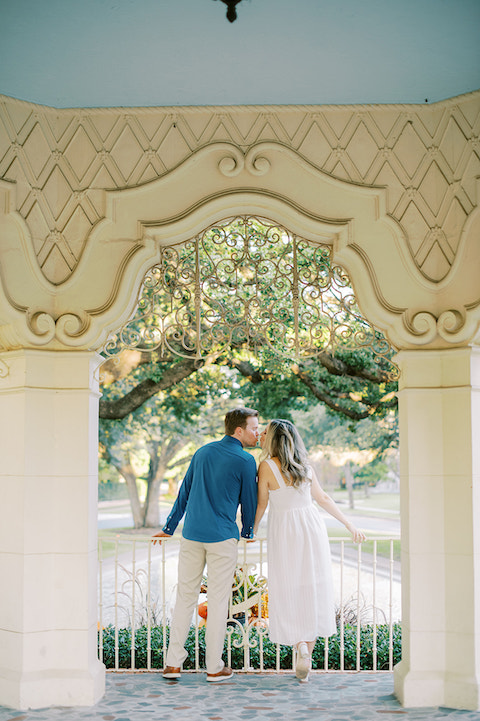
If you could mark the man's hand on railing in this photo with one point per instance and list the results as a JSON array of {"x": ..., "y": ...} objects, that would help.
[{"x": 157, "y": 537}]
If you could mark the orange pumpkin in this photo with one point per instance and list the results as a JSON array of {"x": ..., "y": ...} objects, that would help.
[
  {"x": 264, "y": 607},
  {"x": 202, "y": 610}
]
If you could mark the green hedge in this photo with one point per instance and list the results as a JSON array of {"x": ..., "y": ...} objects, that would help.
[
  {"x": 269, "y": 649},
  {"x": 112, "y": 491}
]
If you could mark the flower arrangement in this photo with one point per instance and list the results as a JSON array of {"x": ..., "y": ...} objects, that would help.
[{"x": 249, "y": 595}]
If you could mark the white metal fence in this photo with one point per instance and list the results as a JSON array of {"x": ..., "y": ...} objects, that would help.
[{"x": 137, "y": 582}]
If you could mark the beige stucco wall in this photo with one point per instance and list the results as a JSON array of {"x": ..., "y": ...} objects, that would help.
[
  {"x": 62, "y": 160},
  {"x": 63, "y": 172},
  {"x": 87, "y": 197}
]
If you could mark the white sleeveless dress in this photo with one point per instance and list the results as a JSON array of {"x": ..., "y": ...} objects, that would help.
[{"x": 300, "y": 587}]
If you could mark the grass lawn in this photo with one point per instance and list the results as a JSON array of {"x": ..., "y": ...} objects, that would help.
[
  {"x": 383, "y": 546},
  {"x": 128, "y": 534},
  {"x": 378, "y": 504},
  {"x": 108, "y": 546},
  {"x": 383, "y": 503}
]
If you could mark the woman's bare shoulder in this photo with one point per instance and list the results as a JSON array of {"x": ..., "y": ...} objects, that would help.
[
  {"x": 266, "y": 473},
  {"x": 264, "y": 466}
]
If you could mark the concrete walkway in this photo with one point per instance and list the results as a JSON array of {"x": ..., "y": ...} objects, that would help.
[{"x": 263, "y": 697}]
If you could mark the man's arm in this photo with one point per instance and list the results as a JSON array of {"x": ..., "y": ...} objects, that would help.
[
  {"x": 179, "y": 506},
  {"x": 248, "y": 498}
]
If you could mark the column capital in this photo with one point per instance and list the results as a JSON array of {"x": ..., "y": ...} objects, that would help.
[{"x": 439, "y": 368}]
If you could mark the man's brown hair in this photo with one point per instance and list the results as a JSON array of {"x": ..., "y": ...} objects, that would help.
[{"x": 238, "y": 418}]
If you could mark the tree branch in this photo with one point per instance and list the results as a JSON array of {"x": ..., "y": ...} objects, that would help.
[
  {"x": 331, "y": 399},
  {"x": 327, "y": 399},
  {"x": 246, "y": 369},
  {"x": 121, "y": 407},
  {"x": 337, "y": 367}
]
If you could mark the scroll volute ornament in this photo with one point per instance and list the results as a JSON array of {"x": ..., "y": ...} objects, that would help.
[
  {"x": 80, "y": 313},
  {"x": 219, "y": 181}
]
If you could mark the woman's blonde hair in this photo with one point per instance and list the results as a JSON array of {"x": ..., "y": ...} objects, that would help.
[{"x": 284, "y": 442}]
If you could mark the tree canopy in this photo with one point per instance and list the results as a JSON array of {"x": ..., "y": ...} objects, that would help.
[
  {"x": 249, "y": 295},
  {"x": 246, "y": 313}
]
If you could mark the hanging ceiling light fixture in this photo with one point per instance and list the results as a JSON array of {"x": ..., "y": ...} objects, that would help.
[{"x": 231, "y": 9}]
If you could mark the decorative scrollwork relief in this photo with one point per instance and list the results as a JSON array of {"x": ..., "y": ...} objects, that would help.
[
  {"x": 67, "y": 328},
  {"x": 71, "y": 326},
  {"x": 450, "y": 325},
  {"x": 4, "y": 369},
  {"x": 232, "y": 164},
  {"x": 418, "y": 153},
  {"x": 41, "y": 325},
  {"x": 255, "y": 163},
  {"x": 235, "y": 161}
]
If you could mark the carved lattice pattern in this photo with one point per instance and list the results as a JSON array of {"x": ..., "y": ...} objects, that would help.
[{"x": 62, "y": 160}]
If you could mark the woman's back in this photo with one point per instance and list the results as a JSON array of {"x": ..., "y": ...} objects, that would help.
[
  {"x": 299, "y": 572},
  {"x": 287, "y": 497}
]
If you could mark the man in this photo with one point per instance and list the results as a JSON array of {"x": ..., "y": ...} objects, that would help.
[{"x": 221, "y": 476}]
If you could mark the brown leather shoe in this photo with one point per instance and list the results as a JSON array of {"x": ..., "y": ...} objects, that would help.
[
  {"x": 222, "y": 675},
  {"x": 171, "y": 672}
]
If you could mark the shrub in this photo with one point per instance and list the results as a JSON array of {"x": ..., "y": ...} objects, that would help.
[
  {"x": 125, "y": 647},
  {"x": 366, "y": 648},
  {"x": 112, "y": 491},
  {"x": 269, "y": 648}
]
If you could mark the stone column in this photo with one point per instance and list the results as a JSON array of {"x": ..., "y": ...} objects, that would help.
[
  {"x": 439, "y": 399},
  {"x": 48, "y": 533}
]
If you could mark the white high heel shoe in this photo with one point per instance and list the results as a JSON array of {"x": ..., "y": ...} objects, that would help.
[{"x": 304, "y": 662}]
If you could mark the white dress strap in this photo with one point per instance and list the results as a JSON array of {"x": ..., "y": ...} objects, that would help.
[{"x": 276, "y": 473}]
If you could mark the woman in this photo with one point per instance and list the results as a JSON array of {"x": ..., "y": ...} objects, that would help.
[{"x": 300, "y": 588}]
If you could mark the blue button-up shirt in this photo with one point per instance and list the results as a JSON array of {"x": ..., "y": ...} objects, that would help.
[{"x": 221, "y": 476}]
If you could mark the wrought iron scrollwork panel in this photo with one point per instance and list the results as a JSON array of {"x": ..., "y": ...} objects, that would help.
[{"x": 247, "y": 282}]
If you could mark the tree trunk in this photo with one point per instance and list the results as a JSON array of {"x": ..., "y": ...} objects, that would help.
[
  {"x": 156, "y": 470},
  {"x": 349, "y": 482},
  {"x": 161, "y": 455},
  {"x": 152, "y": 508},
  {"x": 131, "y": 480},
  {"x": 147, "y": 515},
  {"x": 172, "y": 487}
]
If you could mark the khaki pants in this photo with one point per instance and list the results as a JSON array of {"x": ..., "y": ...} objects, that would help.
[{"x": 221, "y": 559}]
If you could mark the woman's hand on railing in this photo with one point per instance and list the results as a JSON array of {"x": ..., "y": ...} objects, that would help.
[
  {"x": 357, "y": 536},
  {"x": 157, "y": 537}
]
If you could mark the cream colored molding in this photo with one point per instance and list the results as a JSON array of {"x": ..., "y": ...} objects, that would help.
[
  {"x": 427, "y": 156},
  {"x": 219, "y": 181},
  {"x": 36, "y": 314}
]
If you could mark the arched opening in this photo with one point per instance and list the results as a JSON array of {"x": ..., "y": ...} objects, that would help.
[
  {"x": 249, "y": 281},
  {"x": 50, "y": 335},
  {"x": 246, "y": 294}
]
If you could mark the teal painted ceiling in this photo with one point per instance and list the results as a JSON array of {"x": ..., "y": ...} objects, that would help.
[{"x": 90, "y": 53}]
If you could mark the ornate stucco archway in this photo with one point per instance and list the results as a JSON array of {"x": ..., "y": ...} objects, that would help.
[{"x": 88, "y": 198}]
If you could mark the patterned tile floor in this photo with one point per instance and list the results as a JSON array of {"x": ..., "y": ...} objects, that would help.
[{"x": 262, "y": 697}]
